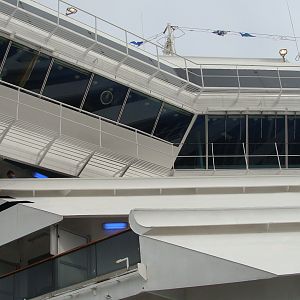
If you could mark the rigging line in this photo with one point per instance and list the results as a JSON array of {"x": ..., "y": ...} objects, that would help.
[
  {"x": 238, "y": 32},
  {"x": 292, "y": 23}
]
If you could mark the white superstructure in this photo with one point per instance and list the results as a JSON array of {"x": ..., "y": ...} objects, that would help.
[{"x": 171, "y": 177}]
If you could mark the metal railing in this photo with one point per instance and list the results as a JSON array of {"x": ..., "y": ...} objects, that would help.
[
  {"x": 246, "y": 156},
  {"x": 103, "y": 259},
  {"x": 45, "y": 139},
  {"x": 116, "y": 45}
]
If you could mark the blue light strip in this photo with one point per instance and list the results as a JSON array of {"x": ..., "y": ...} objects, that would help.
[
  {"x": 115, "y": 225},
  {"x": 39, "y": 175}
]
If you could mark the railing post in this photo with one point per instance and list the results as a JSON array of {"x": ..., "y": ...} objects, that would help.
[
  {"x": 278, "y": 158},
  {"x": 60, "y": 119},
  {"x": 126, "y": 41},
  {"x": 96, "y": 30},
  {"x": 157, "y": 57},
  {"x": 18, "y": 104},
  {"x": 213, "y": 156},
  {"x": 186, "y": 71},
  {"x": 137, "y": 144},
  {"x": 58, "y": 11},
  {"x": 245, "y": 156}
]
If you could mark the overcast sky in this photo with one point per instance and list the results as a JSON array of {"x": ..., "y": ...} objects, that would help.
[{"x": 262, "y": 16}]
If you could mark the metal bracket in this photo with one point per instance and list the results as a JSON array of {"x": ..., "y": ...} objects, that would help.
[
  {"x": 41, "y": 155},
  {"x": 84, "y": 163},
  {"x": 123, "y": 171},
  {"x": 6, "y": 130}
]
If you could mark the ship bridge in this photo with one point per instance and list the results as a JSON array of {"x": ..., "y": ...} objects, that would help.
[{"x": 219, "y": 217}]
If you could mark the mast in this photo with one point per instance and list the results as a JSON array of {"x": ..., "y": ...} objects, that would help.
[{"x": 169, "y": 47}]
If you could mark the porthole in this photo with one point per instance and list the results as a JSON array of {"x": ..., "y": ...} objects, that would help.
[{"x": 106, "y": 97}]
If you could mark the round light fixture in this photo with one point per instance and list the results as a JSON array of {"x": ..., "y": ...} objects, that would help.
[
  {"x": 283, "y": 52},
  {"x": 71, "y": 10}
]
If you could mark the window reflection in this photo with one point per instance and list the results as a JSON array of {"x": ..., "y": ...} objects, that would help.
[
  {"x": 294, "y": 141},
  {"x": 105, "y": 97},
  {"x": 66, "y": 83},
  {"x": 140, "y": 111},
  {"x": 25, "y": 67},
  {"x": 264, "y": 132},
  {"x": 172, "y": 124},
  {"x": 227, "y": 138},
  {"x": 192, "y": 154}
]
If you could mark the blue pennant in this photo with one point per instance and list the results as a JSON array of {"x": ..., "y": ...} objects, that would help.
[
  {"x": 136, "y": 43},
  {"x": 246, "y": 34},
  {"x": 220, "y": 32}
]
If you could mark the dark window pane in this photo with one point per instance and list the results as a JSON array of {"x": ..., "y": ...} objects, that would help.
[
  {"x": 289, "y": 73},
  {"x": 264, "y": 132},
  {"x": 66, "y": 84},
  {"x": 140, "y": 111},
  {"x": 105, "y": 98},
  {"x": 233, "y": 162},
  {"x": 259, "y": 73},
  {"x": 290, "y": 82},
  {"x": 216, "y": 129},
  {"x": 3, "y": 47},
  {"x": 192, "y": 154},
  {"x": 219, "y": 72},
  {"x": 25, "y": 67},
  {"x": 260, "y": 82},
  {"x": 7, "y": 288},
  {"x": 220, "y": 81},
  {"x": 172, "y": 124},
  {"x": 294, "y": 141}
]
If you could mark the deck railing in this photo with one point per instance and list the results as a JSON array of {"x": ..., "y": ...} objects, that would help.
[{"x": 96, "y": 260}]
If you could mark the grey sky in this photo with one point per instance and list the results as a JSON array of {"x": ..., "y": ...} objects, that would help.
[{"x": 262, "y": 16}]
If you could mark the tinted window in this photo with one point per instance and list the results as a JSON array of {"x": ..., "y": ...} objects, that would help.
[
  {"x": 226, "y": 136},
  {"x": 290, "y": 82},
  {"x": 25, "y": 67},
  {"x": 66, "y": 83},
  {"x": 140, "y": 111},
  {"x": 172, "y": 124},
  {"x": 219, "y": 72},
  {"x": 264, "y": 132},
  {"x": 105, "y": 97},
  {"x": 294, "y": 141},
  {"x": 260, "y": 82},
  {"x": 220, "y": 81},
  {"x": 192, "y": 154}
]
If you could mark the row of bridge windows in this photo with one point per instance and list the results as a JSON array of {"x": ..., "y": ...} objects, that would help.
[
  {"x": 242, "y": 141},
  {"x": 41, "y": 74}
]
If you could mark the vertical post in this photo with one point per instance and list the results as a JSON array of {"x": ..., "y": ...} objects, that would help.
[
  {"x": 286, "y": 142},
  {"x": 206, "y": 140},
  {"x": 186, "y": 71},
  {"x": 245, "y": 155},
  {"x": 60, "y": 119},
  {"x": 96, "y": 30},
  {"x": 157, "y": 57},
  {"x": 126, "y": 40},
  {"x": 100, "y": 132},
  {"x": 278, "y": 158},
  {"x": 247, "y": 138},
  {"x": 58, "y": 11},
  {"x": 137, "y": 144},
  {"x": 18, "y": 104},
  {"x": 213, "y": 155}
]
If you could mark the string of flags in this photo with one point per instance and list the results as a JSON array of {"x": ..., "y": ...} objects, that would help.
[{"x": 223, "y": 33}]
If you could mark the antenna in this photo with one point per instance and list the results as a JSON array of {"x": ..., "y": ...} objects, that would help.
[
  {"x": 294, "y": 33},
  {"x": 169, "y": 47}
]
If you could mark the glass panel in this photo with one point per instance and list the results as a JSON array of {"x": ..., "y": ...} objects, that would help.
[
  {"x": 192, "y": 154},
  {"x": 113, "y": 249},
  {"x": 140, "y": 111},
  {"x": 260, "y": 82},
  {"x": 25, "y": 67},
  {"x": 259, "y": 73},
  {"x": 105, "y": 98},
  {"x": 7, "y": 288},
  {"x": 3, "y": 47},
  {"x": 289, "y": 73},
  {"x": 76, "y": 267},
  {"x": 290, "y": 82},
  {"x": 172, "y": 124},
  {"x": 264, "y": 132},
  {"x": 66, "y": 84},
  {"x": 220, "y": 81},
  {"x": 219, "y": 72},
  {"x": 294, "y": 141},
  {"x": 34, "y": 281},
  {"x": 227, "y": 133}
]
